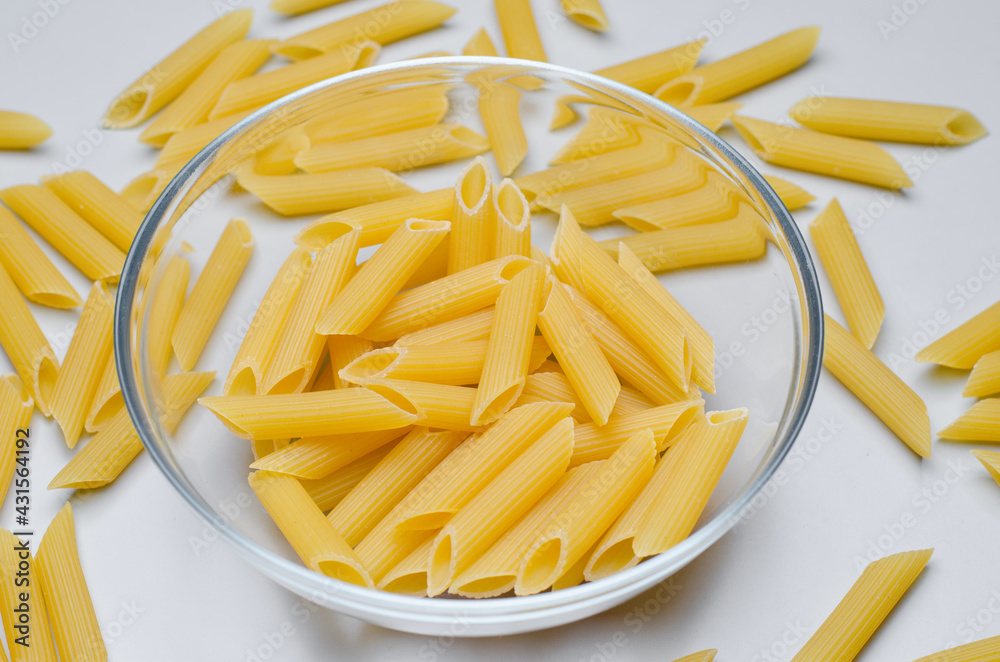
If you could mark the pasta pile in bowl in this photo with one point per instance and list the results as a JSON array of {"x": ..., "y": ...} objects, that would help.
[{"x": 470, "y": 353}]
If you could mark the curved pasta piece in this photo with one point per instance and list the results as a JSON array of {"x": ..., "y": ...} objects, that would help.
[
  {"x": 21, "y": 130},
  {"x": 963, "y": 346},
  {"x": 980, "y": 423}
]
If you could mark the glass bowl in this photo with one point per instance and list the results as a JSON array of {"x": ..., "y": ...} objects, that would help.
[{"x": 765, "y": 316}]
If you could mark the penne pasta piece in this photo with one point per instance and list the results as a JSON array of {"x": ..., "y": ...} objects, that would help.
[
  {"x": 16, "y": 407},
  {"x": 980, "y": 423},
  {"x": 69, "y": 234},
  {"x": 143, "y": 190},
  {"x": 380, "y": 278},
  {"x": 98, "y": 205},
  {"x": 587, "y": 370},
  {"x": 247, "y": 374},
  {"x": 42, "y": 283},
  {"x": 26, "y": 346},
  {"x": 398, "y": 152},
  {"x": 853, "y": 622},
  {"x": 480, "y": 44},
  {"x": 167, "y": 79},
  {"x": 888, "y": 120},
  {"x": 574, "y": 575},
  {"x": 498, "y": 506},
  {"x": 309, "y": 533},
  {"x": 258, "y": 90},
  {"x": 606, "y": 130},
  {"x": 180, "y": 391},
  {"x": 377, "y": 220},
  {"x": 323, "y": 379},
  {"x": 742, "y": 71},
  {"x": 552, "y": 387},
  {"x": 25, "y": 621},
  {"x": 410, "y": 576},
  {"x": 582, "y": 521},
  {"x": 990, "y": 460},
  {"x": 983, "y": 650},
  {"x": 88, "y": 353},
  {"x": 679, "y": 490},
  {"x": 713, "y": 115},
  {"x": 714, "y": 201},
  {"x": 848, "y": 272},
  {"x": 508, "y": 350},
  {"x": 399, "y": 109},
  {"x": 470, "y": 328},
  {"x": 278, "y": 156},
  {"x": 192, "y": 107},
  {"x": 736, "y": 240},
  {"x": 343, "y": 351},
  {"x": 963, "y": 346},
  {"x": 345, "y": 411},
  {"x": 566, "y": 250},
  {"x": 494, "y": 572},
  {"x": 520, "y": 33},
  {"x": 446, "y": 299},
  {"x": 636, "y": 311},
  {"x": 821, "y": 153},
  {"x": 793, "y": 195},
  {"x": 700, "y": 656},
  {"x": 440, "y": 406},
  {"x": 433, "y": 268},
  {"x": 985, "y": 377},
  {"x": 598, "y": 442},
  {"x": 107, "y": 398},
  {"x": 59, "y": 575},
  {"x": 317, "y": 457},
  {"x": 21, "y": 130},
  {"x": 587, "y": 13},
  {"x": 181, "y": 146},
  {"x": 296, "y": 195},
  {"x": 165, "y": 309},
  {"x": 294, "y": 7},
  {"x": 395, "y": 476},
  {"x": 473, "y": 237},
  {"x": 631, "y": 401},
  {"x": 330, "y": 490},
  {"x": 384, "y": 25},
  {"x": 877, "y": 387},
  {"x": 299, "y": 350},
  {"x": 210, "y": 293},
  {"x": 386, "y": 547},
  {"x": 499, "y": 108}
]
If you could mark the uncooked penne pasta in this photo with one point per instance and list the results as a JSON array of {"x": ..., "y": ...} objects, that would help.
[
  {"x": 587, "y": 13},
  {"x": 193, "y": 106},
  {"x": 98, "y": 205},
  {"x": 480, "y": 44},
  {"x": 21, "y": 130},
  {"x": 470, "y": 328},
  {"x": 963, "y": 346},
  {"x": 259, "y": 90},
  {"x": 990, "y": 460},
  {"x": 848, "y": 272},
  {"x": 409, "y": 577},
  {"x": 64, "y": 589},
  {"x": 793, "y": 195},
  {"x": 599, "y": 442},
  {"x": 978, "y": 651},
  {"x": 606, "y": 130},
  {"x": 330, "y": 490},
  {"x": 888, "y": 120},
  {"x": 167, "y": 79},
  {"x": 472, "y": 235},
  {"x": 143, "y": 190},
  {"x": 81, "y": 370},
  {"x": 107, "y": 398},
  {"x": 713, "y": 115},
  {"x": 312, "y": 458},
  {"x": 16, "y": 407},
  {"x": 384, "y": 25},
  {"x": 852, "y": 623},
  {"x": 294, "y": 7},
  {"x": 439, "y": 405},
  {"x": 42, "y": 283},
  {"x": 210, "y": 293},
  {"x": 822, "y": 153},
  {"x": 296, "y": 355},
  {"x": 343, "y": 351},
  {"x": 77, "y": 240},
  {"x": 316, "y": 193},
  {"x": 980, "y": 423},
  {"x": 985, "y": 377},
  {"x": 499, "y": 108},
  {"x": 716, "y": 200},
  {"x": 26, "y": 346},
  {"x": 309, "y": 533},
  {"x": 552, "y": 387},
  {"x": 741, "y": 72},
  {"x": 181, "y": 146},
  {"x": 25, "y": 621},
  {"x": 513, "y": 220},
  {"x": 520, "y": 33},
  {"x": 402, "y": 109},
  {"x": 165, "y": 309},
  {"x": 877, "y": 387},
  {"x": 700, "y": 656}
]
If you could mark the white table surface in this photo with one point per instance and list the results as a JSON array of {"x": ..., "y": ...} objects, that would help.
[{"x": 848, "y": 487}]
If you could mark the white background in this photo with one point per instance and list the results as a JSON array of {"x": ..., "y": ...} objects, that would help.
[{"x": 764, "y": 587}]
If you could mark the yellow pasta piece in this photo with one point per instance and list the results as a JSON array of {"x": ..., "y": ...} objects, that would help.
[
  {"x": 27, "y": 629},
  {"x": 985, "y": 377},
  {"x": 446, "y": 299},
  {"x": 98, "y": 205},
  {"x": 606, "y": 130},
  {"x": 587, "y": 13},
  {"x": 713, "y": 115},
  {"x": 978, "y": 651},
  {"x": 386, "y": 547},
  {"x": 649, "y": 72},
  {"x": 294, "y": 7},
  {"x": 246, "y": 376},
  {"x": 297, "y": 353},
  {"x": 143, "y": 190},
  {"x": 853, "y": 622},
  {"x": 261, "y": 89},
  {"x": 480, "y": 44},
  {"x": 81, "y": 370},
  {"x": 69, "y": 234},
  {"x": 980, "y": 423},
  {"x": 323, "y": 379},
  {"x": 16, "y": 407},
  {"x": 963, "y": 346},
  {"x": 167, "y": 79},
  {"x": 598, "y": 442},
  {"x": 499, "y": 505},
  {"x": 700, "y": 656},
  {"x": 821, "y": 153},
  {"x": 582, "y": 521},
  {"x": 380, "y": 278},
  {"x": 410, "y": 576},
  {"x": 343, "y": 351},
  {"x": 295, "y": 195},
  {"x": 330, "y": 490},
  {"x": 877, "y": 387},
  {"x": 793, "y": 195},
  {"x": 990, "y": 460},
  {"x": 401, "y": 109},
  {"x": 631, "y": 401},
  {"x": 107, "y": 398},
  {"x": 472, "y": 238},
  {"x": 520, "y": 34},
  {"x": 26, "y": 346},
  {"x": 309, "y": 533},
  {"x": 181, "y": 146},
  {"x": 888, "y": 120},
  {"x": 552, "y": 387},
  {"x": 715, "y": 200},
  {"x": 316, "y": 457},
  {"x": 470, "y": 328},
  {"x": 384, "y": 25},
  {"x": 21, "y": 130},
  {"x": 574, "y": 575},
  {"x": 736, "y": 240},
  {"x": 203, "y": 307},
  {"x": 439, "y": 405},
  {"x": 192, "y": 107},
  {"x": 743, "y": 71},
  {"x": 848, "y": 272},
  {"x": 42, "y": 283},
  {"x": 65, "y": 594},
  {"x": 499, "y": 103}
]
